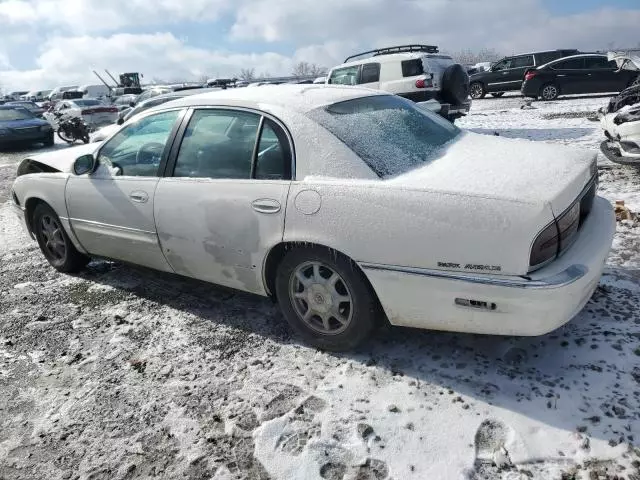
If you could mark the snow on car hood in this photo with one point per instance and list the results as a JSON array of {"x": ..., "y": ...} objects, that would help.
[
  {"x": 62, "y": 159},
  {"x": 509, "y": 169}
]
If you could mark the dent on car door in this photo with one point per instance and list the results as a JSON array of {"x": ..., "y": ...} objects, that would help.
[
  {"x": 111, "y": 210},
  {"x": 221, "y": 207}
]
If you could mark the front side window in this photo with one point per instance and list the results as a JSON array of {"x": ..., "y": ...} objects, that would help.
[
  {"x": 502, "y": 65},
  {"x": 344, "y": 76},
  {"x": 218, "y": 144},
  {"x": 370, "y": 73},
  {"x": 137, "y": 149},
  {"x": 388, "y": 133},
  {"x": 523, "y": 61}
]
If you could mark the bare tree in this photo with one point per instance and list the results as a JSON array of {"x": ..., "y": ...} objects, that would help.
[
  {"x": 247, "y": 74},
  {"x": 470, "y": 57},
  {"x": 203, "y": 79},
  {"x": 305, "y": 69}
]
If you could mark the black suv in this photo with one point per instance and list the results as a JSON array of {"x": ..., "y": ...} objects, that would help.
[{"x": 508, "y": 74}]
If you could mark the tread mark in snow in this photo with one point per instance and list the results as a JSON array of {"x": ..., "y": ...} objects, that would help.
[{"x": 333, "y": 471}]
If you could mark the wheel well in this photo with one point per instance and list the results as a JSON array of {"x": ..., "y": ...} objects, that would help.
[
  {"x": 277, "y": 253},
  {"x": 30, "y": 207}
]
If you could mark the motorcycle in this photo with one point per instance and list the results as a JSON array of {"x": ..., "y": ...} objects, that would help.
[{"x": 71, "y": 128}]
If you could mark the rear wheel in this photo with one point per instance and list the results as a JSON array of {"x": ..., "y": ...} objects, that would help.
[
  {"x": 476, "y": 90},
  {"x": 54, "y": 241},
  {"x": 549, "y": 92},
  {"x": 326, "y": 299},
  {"x": 64, "y": 136},
  {"x": 497, "y": 94}
]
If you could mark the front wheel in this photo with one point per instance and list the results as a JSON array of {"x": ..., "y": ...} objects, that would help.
[
  {"x": 476, "y": 90},
  {"x": 549, "y": 92},
  {"x": 54, "y": 241},
  {"x": 64, "y": 136},
  {"x": 326, "y": 299}
]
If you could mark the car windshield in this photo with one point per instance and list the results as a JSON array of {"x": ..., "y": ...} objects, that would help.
[
  {"x": 389, "y": 133},
  {"x": 87, "y": 103},
  {"x": 15, "y": 113},
  {"x": 28, "y": 105}
]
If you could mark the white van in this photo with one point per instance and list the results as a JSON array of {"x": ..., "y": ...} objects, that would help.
[
  {"x": 56, "y": 93},
  {"x": 37, "y": 95},
  {"x": 94, "y": 91}
]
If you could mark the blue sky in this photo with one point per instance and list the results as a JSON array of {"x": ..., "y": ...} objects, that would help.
[{"x": 40, "y": 45}]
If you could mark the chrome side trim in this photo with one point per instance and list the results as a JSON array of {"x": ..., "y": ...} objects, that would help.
[
  {"x": 111, "y": 227},
  {"x": 572, "y": 274}
]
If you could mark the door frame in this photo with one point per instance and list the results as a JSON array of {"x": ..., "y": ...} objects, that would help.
[{"x": 167, "y": 166}]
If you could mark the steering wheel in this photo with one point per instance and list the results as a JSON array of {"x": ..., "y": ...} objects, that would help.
[{"x": 149, "y": 153}]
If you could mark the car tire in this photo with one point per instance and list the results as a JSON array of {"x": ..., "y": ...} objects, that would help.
[
  {"x": 476, "y": 90},
  {"x": 497, "y": 94},
  {"x": 335, "y": 308},
  {"x": 54, "y": 241},
  {"x": 549, "y": 91}
]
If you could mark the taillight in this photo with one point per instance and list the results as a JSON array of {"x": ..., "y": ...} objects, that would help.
[
  {"x": 87, "y": 112},
  {"x": 424, "y": 83},
  {"x": 568, "y": 226},
  {"x": 420, "y": 83},
  {"x": 529, "y": 75},
  {"x": 545, "y": 246},
  {"x": 112, "y": 109}
]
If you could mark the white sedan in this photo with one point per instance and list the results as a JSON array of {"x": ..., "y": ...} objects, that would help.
[{"x": 345, "y": 204}]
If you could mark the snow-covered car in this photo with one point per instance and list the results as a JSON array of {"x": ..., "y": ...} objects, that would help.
[
  {"x": 94, "y": 112},
  {"x": 620, "y": 119},
  {"x": 344, "y": 204}
]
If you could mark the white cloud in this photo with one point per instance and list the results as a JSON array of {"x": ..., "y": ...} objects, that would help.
[{"x": 75, "y": 36}]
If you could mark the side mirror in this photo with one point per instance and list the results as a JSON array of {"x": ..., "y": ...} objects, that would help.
[
  {"x": 120, "y": 121},
  {"x": 132, "y": 104},
  {"x": 84, "y": 164}
]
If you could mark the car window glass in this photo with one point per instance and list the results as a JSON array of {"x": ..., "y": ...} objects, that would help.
[
  {"x": 370, "y": 73},
  {"x": 137, "y": 148},
  {"x": 412, "y": 68},
  {"x": 218, "y": 144},
  {"x": 273, "y": 161},
  {"x": 571, "y": 64},
  {"x": 596, "y": 62},
  {"x": 523, "y": 61},
  {"x": 546, "y": 57},
  {"x": 344, "y": 76},
  {"x": 502, "y": 65}
]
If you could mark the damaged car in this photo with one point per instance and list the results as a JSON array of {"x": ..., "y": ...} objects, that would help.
[
  {"x": 620, "y": 119},
  {"x": 347, "y": 206}
]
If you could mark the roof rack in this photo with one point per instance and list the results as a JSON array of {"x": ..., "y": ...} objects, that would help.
[{"x": 397, "y": 49}]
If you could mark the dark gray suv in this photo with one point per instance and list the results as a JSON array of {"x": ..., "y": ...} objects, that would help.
[{"x": 508, "y": 74}]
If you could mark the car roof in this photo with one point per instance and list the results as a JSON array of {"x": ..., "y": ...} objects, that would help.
[
  {"x": 392, "y": 57},
  {"x": 299, "y": 97}
]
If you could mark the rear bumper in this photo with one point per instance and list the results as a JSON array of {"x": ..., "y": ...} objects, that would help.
[
  {"x": 447, "y": 110},
  {"x": 530, "y": 88},
  {"x": 534, "y": 305}
]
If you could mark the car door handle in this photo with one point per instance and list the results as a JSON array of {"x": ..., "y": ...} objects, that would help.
[
  {"x": 505, "y": 73},
  {"x": 139, "y": 196},
  {"x": 266, "y": 205},
  {"x": 560, "y": 75}
]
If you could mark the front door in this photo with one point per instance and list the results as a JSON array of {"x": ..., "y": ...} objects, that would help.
[
  {"x": 601, "y": 75},
  {"x": 111, "y": 210},
  {"x": 508, "y": 74},
  {"x": 222, "y": 204}
]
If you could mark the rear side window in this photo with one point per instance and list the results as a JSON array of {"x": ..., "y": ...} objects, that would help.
[
  {"x": 412, "y": 68},
  {"x": 572, "y": 64},
  {"x": 370, "y": 73},
  {"x": 344, "y": 76},
  {"x": 388, "y": 133},
  {"x": 523, "y": 61},
  {"x": 273, "y": 158}
]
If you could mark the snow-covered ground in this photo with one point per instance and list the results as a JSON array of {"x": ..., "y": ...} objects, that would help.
[{"x": 122, "y": 373}]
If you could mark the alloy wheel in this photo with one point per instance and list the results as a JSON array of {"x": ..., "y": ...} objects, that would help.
[
  {"x": 52, "y": 237},
  {"x": 549, "y": 92},
  {"x": 321, "y": 298},
  {"x": 476, "y": 90}
]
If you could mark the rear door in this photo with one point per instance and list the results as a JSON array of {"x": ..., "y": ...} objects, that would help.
[
  {"x": 570, "y": 76},
  {"x": 221, "y": 205}
]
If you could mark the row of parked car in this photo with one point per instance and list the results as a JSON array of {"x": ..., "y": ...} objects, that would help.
[{"x": 549, "y": 74}]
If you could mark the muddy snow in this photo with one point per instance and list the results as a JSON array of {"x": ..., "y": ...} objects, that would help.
[{"x": 125, "y": 373}]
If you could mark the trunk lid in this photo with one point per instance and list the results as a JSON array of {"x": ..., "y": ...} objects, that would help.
[{"x": 509, "y": 169}]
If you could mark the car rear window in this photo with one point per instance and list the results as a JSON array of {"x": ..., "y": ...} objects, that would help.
[{"x": 390, "y": 134}]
